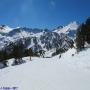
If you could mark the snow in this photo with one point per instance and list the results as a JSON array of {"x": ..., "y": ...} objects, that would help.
[
  {"x": 5, "y": 29},
  {"x": 49, "y": 53},
  {"x": 37, "y": 34},
  {"x": 65, "y": 29},
  {"x": 67, "y": 73}
]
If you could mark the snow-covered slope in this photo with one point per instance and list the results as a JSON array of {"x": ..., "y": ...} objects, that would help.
[
  {"x": 67, "y": 73},
  {"x": 70, "y": 29}
]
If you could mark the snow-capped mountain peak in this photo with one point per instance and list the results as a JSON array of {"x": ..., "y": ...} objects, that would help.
[
  {"x": 5, "y": 29},
  {"x": 68, "y": 29}
]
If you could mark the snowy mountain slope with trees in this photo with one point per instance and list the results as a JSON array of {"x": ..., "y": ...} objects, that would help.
[
  {"x": 67, "y": 73},
  {"x": 49, "y": 61}
]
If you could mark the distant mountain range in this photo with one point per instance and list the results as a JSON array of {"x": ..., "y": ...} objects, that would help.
[{"x": 39, "y": 39}]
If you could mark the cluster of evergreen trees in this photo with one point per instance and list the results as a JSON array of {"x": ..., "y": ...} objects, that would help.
[
  {"x": 59, "y": 51},
  {"x": 15, "y": 50},
  {"x": 83, "y": 35}
]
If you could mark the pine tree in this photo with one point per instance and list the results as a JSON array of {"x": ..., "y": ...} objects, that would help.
[
  {"x": 18, "y": 50},
  {"x": 83, "y": 35},
  {"x": 3, "y": 57},
  {"x": 80, "y": 37},
  {"x": 88, "y": 30}
]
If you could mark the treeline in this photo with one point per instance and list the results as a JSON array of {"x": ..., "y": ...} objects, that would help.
[{"x": 83, "y": 35}]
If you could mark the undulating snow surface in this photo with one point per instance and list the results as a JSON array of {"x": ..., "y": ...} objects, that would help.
[{"x": 67, "y": 73}]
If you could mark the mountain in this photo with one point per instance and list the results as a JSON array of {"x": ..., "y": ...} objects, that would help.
[
  {"x": 69, "y": 30},
  {"x": 5, "y": 29},
  {"x": 38, "y": 39}
]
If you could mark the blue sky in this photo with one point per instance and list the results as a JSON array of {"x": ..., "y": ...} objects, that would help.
[{"x": 43, "y": 13}]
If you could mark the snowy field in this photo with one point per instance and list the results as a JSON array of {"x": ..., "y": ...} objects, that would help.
[{"x": 67, "y": 73}]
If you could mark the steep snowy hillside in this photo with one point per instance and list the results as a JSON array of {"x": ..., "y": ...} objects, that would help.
[
  {"x": 70, "y": 29},
  {"x": 67, "y": 73}
]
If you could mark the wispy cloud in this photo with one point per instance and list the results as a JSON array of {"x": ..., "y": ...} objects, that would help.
[{"x": 52, "y": 3}]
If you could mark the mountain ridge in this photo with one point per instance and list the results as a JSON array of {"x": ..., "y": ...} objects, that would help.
[{"x": 38, "y": 39}]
